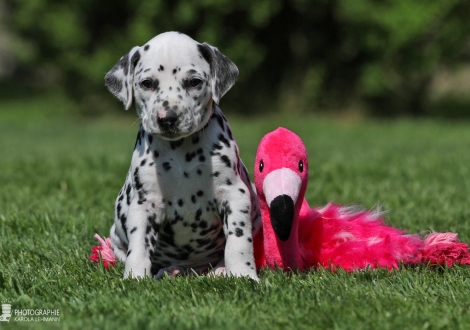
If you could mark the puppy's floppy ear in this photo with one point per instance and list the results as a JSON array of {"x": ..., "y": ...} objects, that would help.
[
  {"x": 120, "y": 78},
  {"x": 224, "y": 73}
]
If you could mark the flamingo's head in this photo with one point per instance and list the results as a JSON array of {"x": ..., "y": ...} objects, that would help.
[{"x": 281, "y": 176}]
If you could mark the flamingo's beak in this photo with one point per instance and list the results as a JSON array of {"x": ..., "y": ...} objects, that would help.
[{"x": 281, "y": 188}]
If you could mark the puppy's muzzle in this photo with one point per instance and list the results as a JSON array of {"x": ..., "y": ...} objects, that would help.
[{"x": 168, "y": 123}]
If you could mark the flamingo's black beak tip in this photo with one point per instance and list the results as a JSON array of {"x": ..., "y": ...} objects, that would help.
[{"x": 282, "y": 216}]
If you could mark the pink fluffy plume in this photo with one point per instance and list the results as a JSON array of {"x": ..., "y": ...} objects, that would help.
[{"x": 103, "y": 252}]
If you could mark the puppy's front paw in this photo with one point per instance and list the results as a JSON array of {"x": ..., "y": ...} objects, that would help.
[
  {"x": 137, "y": 270},
  {"x": 131, "y": 274}
]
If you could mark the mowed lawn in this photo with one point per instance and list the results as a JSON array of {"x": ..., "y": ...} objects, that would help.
[{"x": 60, "y": 175}]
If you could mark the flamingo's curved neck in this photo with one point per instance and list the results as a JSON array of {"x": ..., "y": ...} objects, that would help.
[{"x": 283, "y": 254}]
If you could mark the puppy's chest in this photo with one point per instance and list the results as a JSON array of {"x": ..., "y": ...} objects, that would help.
[
  {"x": 187, "y": 168},
  {"x": 171, "y": 173},
  {"x": 182, "y": 177}
]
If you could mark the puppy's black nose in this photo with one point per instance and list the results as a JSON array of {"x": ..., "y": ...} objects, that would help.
[{"x": 169, "y": 120}]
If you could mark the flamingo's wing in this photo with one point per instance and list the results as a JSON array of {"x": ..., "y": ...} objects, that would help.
[{"x": 356, "y": 239}]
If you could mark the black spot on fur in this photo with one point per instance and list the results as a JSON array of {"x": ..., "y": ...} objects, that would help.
[
  {"x": 220, "y": 121},
  {"x": 230, "y": 135},
  {"x": 133, "y": 230},
  {"x": 142, "y": 198},
  {"x": 146, "y": 47},
  {"x": 118, "y": 210},
  {"x": 167, "y": 235},
  {"x": 138, "y": 184},
  {"x": 198, "y": 214},
  {"x": 190, "y": 156},
  {"x": 128, "y": 194},
  {"x": 134, "y": 60},
  {"x": 226, "y": 160},
  {"x": 139, "y": 137},
  {"x": 224, "y": 140},
  {"x": 238, "y": 232},
  {"x": 176, "y": 144},
  {"x": 166, "y": 166},
  {"x": 205, "y": 53},
  {"x": 217, "y": 146}
]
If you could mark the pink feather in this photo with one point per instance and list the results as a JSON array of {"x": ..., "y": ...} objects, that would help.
[
  {"x": 103, "y": 252},
  {"x": 445, "y": 249}
]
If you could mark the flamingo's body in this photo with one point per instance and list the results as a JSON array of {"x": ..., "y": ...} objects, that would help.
[{"x": 296, "y": 236}]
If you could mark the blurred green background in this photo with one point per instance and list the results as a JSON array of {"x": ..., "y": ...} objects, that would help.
[{"x": 372, "y": 57}]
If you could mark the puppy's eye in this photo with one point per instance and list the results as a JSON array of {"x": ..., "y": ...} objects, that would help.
[
  {"x": 194, "y": 82},
  {"x": 147, "y": 83},
  {"x": 261, "y": 166},
  {"x": 301, "y": 166}
]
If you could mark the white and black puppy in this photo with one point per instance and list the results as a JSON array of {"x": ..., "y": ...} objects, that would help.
[{"x": 187, "y": 204}]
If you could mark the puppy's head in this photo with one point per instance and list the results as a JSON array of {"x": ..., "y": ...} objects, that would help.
[{"x": 173, "y": 81}]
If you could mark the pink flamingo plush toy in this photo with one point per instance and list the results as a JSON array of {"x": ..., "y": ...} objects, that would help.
[{"x": 296, "y": 236}]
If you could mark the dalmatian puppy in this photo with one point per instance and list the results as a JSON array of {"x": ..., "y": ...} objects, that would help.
[{"x": 187, "y": 205}]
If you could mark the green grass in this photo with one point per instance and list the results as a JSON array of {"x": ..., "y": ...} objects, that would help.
[{"x": 60, "y": 174}]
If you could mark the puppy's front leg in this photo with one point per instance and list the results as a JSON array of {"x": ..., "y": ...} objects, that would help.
[
  {"x": 234, "y": 212},
  {"x": 138, "y": 262}
]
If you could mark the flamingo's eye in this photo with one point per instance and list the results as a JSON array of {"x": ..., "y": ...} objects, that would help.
[
  {"x": 261, "y": 166},
  {"x": 301, "y": 166}
]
